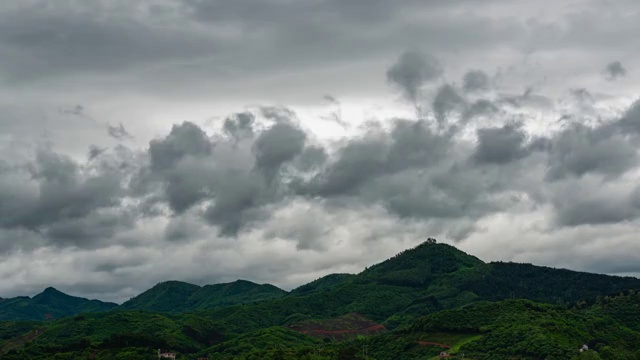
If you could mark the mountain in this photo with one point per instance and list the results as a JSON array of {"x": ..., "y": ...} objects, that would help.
[
  {"x": 431, "y": 298},
  {"x": 508, "y": 329},
  {"x": 416, "y": 282},
  {"x": 176, "y": 296},
  {"x": 322, "y": 283},
  {"x": 49, "y": 304},
  {"x": 167, "y": 296},
  {"x": 237, "y": 292},
  {"x": 513, "y": 329},
  {"x": 421, "y": 265}
]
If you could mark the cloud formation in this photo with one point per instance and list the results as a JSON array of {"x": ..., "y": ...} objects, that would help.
[
  {"x": 502, "y": 136},
  {"x": 615, "y": 70}
]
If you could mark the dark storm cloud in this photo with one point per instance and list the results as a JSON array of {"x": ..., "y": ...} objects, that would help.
[
  {"x": 311, "y": 158},
  {"x": 414, "y": 169},
  {"x": 184, "y": 140},
  {"x": 95, "y": 229},
  {"x": 179, "y": 162},
  {"x": 610, "y": 148},
  {"x": 630, "y": 121},
  {"x": 58, "y": 198},
  {"x": 615, "y": 70},
  {"x": 476, "y": 80},
  {"x": 481, "y": 107},
  {"x": 474, "y": 155},
  {"x": 410, "y": 170},
  {"x": 412, "y": 71},
  {"x": 582, "y": 95},
  {"x": 447, "y": 101},
  {"x": 579, "y": 150},
  {"x": 235, "y": 175},
  {"x": 500, "y": 145},
  {"x": 590, "y": 202},
  {"x": 87, "y": 36},
  {"x": 161, "y": 46},
  {"x": 95, "y": 151},
  {"x": 279, "y": 144},
  {"x": 118, "y": 132},
  {"x": 239, "y": 125}
]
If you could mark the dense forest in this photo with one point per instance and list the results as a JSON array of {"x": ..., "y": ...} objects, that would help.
[{"x": 425, "y": 301}]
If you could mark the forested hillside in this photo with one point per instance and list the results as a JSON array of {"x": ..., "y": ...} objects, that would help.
[
  {"x": 49, "y": 304},
  {"x": 423, "y": 301}
]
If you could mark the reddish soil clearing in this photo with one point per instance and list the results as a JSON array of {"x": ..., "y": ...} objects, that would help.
[
  {"x": 431, "y": 343},
  {"x": 342, "y": 328}
]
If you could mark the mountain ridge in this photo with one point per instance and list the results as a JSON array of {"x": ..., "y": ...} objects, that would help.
[
  {"x": 430, "y": 294},
  {"x": 177, "y": 296},
  {"x": 48, "y": 304},
  {"x": 426, "y": 278}
]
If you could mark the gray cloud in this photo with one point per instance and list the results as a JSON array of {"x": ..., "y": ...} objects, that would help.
[
  {"x": 95, "y": 151},
  {"x": 584, "y": 202},
  {"x": 579, "y": 150},
  {"x": 233, "y": 176},
  {"x": 239, "y": 125},
  {"x": 412, "y": 71},
  {"x": 446, "y": 101},
  {"x": 184, "y": 140},
  {"x": 118, "y": 132},
  {"x": 54, "y": 196},
  {"x": 483, "y": 160},
  {"x": 476, "y": 80},
  {"x": 500, "y": 145},
  {"x": 279, "y": 144},
  {"x": 73, "y": 38},
  {"x": 615, "y": 70}
]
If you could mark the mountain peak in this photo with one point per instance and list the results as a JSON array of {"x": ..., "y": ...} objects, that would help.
[
  {"x": 175, "y": 284},
  {"x": 416, "y": 266},
  {"x": 50, "y": 292}
]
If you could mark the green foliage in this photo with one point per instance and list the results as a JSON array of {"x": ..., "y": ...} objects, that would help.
[
  {"x": 267, "y": 343},
  {"x": 538, "y": 283},
  {"x": 169, "y": 296},
  {"x": 322, "y": 284},
  {"x": 530, "y": 330},
  {"x": 128, "y": 331},
  {"x": 179, "y": 297},
  {"x": 417, "y": 267},
  {"x": 49, "y": 303},
  {"x": 429, "y": 296}
]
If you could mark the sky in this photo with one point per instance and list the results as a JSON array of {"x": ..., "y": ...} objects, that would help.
[{"x": 278, "y": 141}]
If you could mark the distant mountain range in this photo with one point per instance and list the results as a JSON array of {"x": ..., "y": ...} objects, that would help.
[
  {"x": 430, "y": 277},
  {"x": 169, "y": 296},
  {"x": 49, "y": 304},
  {"x": 431, "y": 294},
  {"x": 176, "y": 296}
]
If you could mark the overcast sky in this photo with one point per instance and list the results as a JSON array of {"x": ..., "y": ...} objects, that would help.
[{"x": 278, "y": 141}]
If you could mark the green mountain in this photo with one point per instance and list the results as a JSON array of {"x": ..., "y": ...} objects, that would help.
[
  {"x": 108, "y": 333},
  {"x": 237, "y": 292},
  {"x": 419, "y": 281},
  {"x": 167, "y": 296},
  {"x": 49, "y": 304},
  {"x": 178, "y": 297},
  {"x": 322, "y": 284},
  {"x": 431, "y": 298}
]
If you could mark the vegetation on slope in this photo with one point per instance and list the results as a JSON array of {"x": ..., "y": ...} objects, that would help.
[
  {"x": 179, "y": 297},
  {"x": 432, "y": 295},
  {"x": 133, "y": 333},
  {"x": 51, "y": 303}
]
